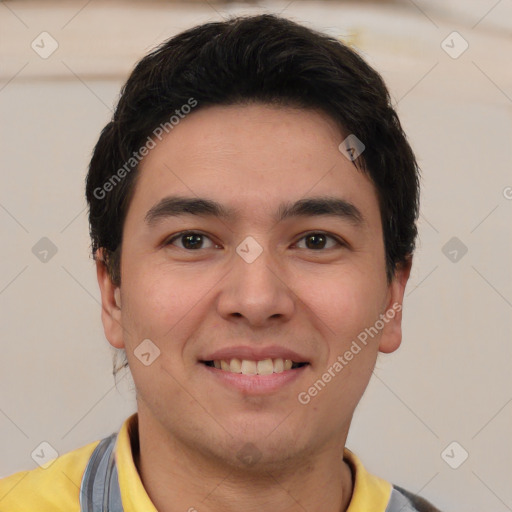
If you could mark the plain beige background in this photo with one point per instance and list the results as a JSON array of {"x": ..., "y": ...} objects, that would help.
[{"x": 449, "y": 382}]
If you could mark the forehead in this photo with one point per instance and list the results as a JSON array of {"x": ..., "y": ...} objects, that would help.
[{"x": 252, "y": 159}]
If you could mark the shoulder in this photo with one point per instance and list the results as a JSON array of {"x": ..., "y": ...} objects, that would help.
[
  {"x": 56, "y": 488},
  {"x": 406, "y": 501}
]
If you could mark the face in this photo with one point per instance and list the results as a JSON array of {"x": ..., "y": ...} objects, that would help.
[{"x": 252, "y": 276}]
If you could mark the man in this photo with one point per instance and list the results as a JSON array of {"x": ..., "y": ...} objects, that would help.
[{"x": 252, "y": 213}]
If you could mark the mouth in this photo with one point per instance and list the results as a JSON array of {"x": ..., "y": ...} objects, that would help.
[{"x": 251, "y": 367}]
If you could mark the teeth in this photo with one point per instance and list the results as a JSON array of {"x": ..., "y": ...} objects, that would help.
[
  {"x": 278, "y": 365},
  {"x": 265, "y": 367},
  {"x": 247, "y": 367},
  {"x": 235, "y": 366}
]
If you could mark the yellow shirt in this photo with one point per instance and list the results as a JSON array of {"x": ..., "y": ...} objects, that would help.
[{"x": 57, "y": 487}]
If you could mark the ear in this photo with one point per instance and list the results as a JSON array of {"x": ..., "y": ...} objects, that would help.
[
  {"x": 392, "y": 332},
  {"x": 110, "y": 304}
]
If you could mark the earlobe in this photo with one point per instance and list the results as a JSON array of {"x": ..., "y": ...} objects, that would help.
[
  {"x": 110, "y": 304},
  {"x": 392, "y": 333}
]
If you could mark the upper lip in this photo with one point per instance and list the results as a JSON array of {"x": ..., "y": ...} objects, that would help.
[{"x": 254, "y": 354}]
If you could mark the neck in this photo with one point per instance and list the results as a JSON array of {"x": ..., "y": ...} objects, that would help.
[{"x": 176, "y": 478}]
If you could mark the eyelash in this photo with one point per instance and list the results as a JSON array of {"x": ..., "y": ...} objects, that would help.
[{"x": 339, "y": 242}]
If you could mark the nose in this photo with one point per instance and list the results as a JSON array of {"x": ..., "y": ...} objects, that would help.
[{"x": 256, "y": 293}]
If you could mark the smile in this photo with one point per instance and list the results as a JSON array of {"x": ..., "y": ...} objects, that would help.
[{"x": 249, "y": 367}]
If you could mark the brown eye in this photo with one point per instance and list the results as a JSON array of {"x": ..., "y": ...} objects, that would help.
[
  {"x": 190, "y": 240},
  {"x": 317, "y": 241}
]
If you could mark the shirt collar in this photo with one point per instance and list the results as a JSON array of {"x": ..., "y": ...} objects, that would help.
[
  {"x": 133, "y": 494},
  {"x": 369, "y": 492}
]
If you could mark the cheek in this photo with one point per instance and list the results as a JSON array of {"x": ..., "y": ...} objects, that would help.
[
  {"x": 346, "y": 302},
  {"x": 343, "y": 309},
  {"x": 151, "y": 302},
  {"x": 163, "y": 303}
]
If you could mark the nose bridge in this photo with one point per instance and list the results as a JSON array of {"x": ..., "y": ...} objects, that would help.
[
  {"x": 256, "y": 269},
  {"x": 255, "y": 288}
]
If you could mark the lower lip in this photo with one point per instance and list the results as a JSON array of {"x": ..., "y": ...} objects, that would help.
[{"x": 255, "y": 384}]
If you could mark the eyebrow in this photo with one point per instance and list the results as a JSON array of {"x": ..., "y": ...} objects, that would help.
[{"x": 174, "y": 206}]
